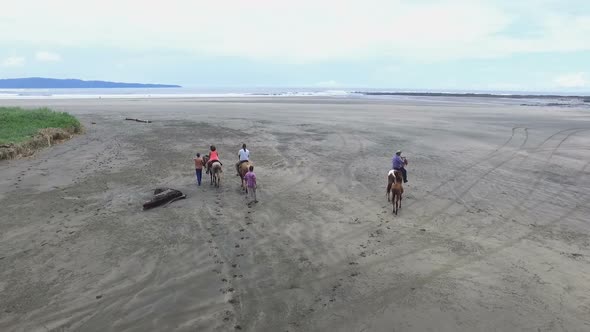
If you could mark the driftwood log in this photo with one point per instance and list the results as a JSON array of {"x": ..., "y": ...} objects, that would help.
[
  {"x": 163, "y": 196},
  {"x": 138, "y": 120}
]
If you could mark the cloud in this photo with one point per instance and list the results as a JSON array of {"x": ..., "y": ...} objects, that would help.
[
  {"x": 306, "y": 30},
  {"x": 574, "y": 80},
  {"x": 44, "y": 56},
  {"x": 13, "y": 61},
  {"x": 327, "y": 84}
]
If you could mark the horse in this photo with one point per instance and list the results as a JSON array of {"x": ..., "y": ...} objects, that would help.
[
  {"x": 394, "y": 186},
  {"x": 214, "y": 171},
  {"x": 242, "y": 170}
]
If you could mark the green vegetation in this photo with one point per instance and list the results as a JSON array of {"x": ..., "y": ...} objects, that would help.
[{"x": 18, "y": 125}]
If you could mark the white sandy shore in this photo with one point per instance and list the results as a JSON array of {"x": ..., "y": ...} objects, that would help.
[{"x": 493, "y": 233}]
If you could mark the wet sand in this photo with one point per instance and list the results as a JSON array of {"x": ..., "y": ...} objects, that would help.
[{"x": 493, "y": 233}]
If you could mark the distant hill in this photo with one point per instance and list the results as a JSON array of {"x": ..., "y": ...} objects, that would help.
[{"x": 54, "y": 83}]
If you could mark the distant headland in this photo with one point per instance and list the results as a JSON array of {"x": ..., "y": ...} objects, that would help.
[{"x": 54, "y": 83}]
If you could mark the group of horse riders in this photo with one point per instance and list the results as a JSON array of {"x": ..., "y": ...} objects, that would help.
[
  {"x": 398, "y": 162},
  {"x": 395, "y": 177},
  {"x": 243, "y": 155}
]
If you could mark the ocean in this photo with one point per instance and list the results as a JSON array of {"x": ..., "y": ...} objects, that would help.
[{"x": 238, "y": 92}]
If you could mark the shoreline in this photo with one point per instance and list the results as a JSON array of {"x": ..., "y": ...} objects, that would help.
[
  {"x": 585, "y": 98},
  {"x": 186, "y": 93}
]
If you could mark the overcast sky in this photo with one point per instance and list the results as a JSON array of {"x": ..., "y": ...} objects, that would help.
[{"x": 527, "y": 45}]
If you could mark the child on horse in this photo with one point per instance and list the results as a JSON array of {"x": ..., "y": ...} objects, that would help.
[{"x": 213, "y": 157}]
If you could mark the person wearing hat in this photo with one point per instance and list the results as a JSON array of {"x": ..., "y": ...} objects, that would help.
[{"x": 399, "y": 163}]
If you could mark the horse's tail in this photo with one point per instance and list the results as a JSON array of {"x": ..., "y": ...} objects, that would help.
[{"x": 390, "y": 182}]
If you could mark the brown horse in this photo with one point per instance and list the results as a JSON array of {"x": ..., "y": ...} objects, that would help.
[
  {"x": 394, "y": 186},
  {"x": 242, "y": 170},
  {"x": 214, "y": 171}
]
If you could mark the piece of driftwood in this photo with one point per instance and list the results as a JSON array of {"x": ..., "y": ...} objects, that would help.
[
  {"x": 163, "y": 196},
  {"x": 138, "y": 120}
]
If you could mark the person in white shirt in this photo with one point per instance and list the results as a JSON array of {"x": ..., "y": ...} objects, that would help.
[{"x": 244, "y": 156}]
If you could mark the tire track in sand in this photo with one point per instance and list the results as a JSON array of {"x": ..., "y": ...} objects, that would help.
[
  {"x": 437, "y": 243},
  {"x": 459, "y": 197}
]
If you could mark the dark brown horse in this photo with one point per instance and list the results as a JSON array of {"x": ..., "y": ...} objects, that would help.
[{"x": 394, "y": 186}]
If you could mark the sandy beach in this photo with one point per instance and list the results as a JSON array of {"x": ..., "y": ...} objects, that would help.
[{"x": 493, "y": 234}]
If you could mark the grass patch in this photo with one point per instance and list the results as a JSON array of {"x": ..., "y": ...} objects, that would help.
[
  {"x": 18, "y": 125},
  {"x": 22, "y": 132}
]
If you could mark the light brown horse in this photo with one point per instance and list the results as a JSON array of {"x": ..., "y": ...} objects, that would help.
[
  {"x": 214, "y": 171},
  {"x": 394, "y": 186},
  {"x": 242, "y": 170}
]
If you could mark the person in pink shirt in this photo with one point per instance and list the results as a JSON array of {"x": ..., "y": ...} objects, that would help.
[{"x": 250, "y": 178}]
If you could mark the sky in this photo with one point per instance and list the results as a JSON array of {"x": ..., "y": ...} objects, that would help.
[{"x": 507, "y": 45}]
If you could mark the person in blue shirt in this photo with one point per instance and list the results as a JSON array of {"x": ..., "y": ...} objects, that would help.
[{"x": 399, "y": 163}]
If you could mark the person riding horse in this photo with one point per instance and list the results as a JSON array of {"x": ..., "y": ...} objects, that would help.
[
  {"x": 213, "y": 157},
  {"x": 243, "y": 156},
  {"x": 399, "y": 163}
]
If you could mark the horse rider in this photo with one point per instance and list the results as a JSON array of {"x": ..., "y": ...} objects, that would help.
[
  {"x": 399, "y": 163},
  {"x": 213, "y": 157},
  {"x": 243, "y": 156}
]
